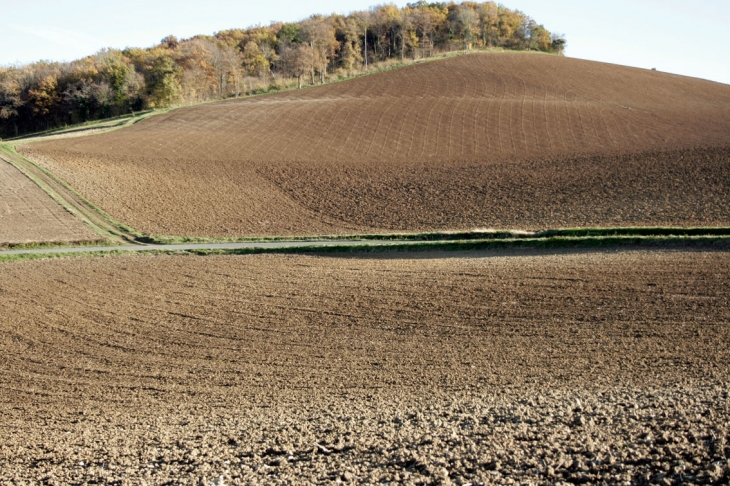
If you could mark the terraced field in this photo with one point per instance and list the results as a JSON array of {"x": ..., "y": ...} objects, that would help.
[
  {"x": 485, "y": 140},
  {"x": 28, "y": 215},
  {"x": 480, "y": 368}
]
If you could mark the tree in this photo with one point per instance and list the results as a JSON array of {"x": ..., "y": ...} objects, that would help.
[
  {"x": 233, "y": 58},
  {"x": 115, "y": 73},
  {"x": 170, "y": 42},
  {"x": 110, "y": 82},
  {"x": 321, "y": 38},
  {"x": 539, "y": 37},
  {"x": 466, "y": 20},
  {"x": 10, "y": 100},
  {"x": 290, "y": 34},
  {"x": 44, "y": 96},
  {"x": 347, "y": 31},
  {"x": 218, "y": 60},
  {"x": 558, "y": 43},
  {"x": 298, "y": 61},
  {"x": 362, "y": 21},
  {"x": 489, "y": 23},
  {"x": 162, "y": 83},
  {"x": 254, "y": 60},
  {"x": 509, "y": 25},
  {"x": 427, "y": 19}
]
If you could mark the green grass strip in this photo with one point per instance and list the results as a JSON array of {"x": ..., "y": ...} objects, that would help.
[
  {"x": 717, "y": 243},
  {"x": 637, "y": 231},
  {"x": 457, "y": 235},
  {"x": 55, "y": 244}
]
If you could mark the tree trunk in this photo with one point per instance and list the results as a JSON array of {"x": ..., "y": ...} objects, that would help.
[
  {"x": 299, "y": 80},
  {"x": 366, "y": 47},
  {"x": 311, "y": 44}
]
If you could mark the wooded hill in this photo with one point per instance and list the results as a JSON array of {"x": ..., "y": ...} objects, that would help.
[{"x": 237, "y": 62}]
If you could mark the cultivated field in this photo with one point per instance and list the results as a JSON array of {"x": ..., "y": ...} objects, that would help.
[
  {"x": 572, "y": 366},
  {"x": 485, "y": 140},
  {"x": 29, "y": 215}
]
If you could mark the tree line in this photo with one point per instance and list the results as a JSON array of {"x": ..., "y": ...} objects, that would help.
[{"x": 237, "y": 62}]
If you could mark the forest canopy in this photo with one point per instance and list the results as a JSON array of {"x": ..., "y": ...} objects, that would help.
[{"x": 237, "y": 62}]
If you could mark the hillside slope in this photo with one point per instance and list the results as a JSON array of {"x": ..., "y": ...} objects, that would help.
[
  {"x": 508, "y": 140},
  {"x": 29, "y": 215}
]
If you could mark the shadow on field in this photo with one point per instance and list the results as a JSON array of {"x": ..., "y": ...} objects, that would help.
[{"x": 400, "y": 254}]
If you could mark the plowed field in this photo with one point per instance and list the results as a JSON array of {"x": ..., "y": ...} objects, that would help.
[
  {"x": 550, "y": 366},
  {"x": 29, "y": 215},
  {"x": 483, "y": 140}
]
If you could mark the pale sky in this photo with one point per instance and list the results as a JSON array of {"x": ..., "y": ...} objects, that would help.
[{"x": 683, "y": 37}]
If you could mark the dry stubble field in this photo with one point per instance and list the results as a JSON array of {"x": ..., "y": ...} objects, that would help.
[
  {"x": 484, "y": 367},
  {"x": 28, "y": 215},
  {"x": 484, "y": 140}
]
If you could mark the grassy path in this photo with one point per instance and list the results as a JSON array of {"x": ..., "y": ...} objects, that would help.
[
  {"x": 72, "y": 201},
  {"x": 701, "y": 242}
]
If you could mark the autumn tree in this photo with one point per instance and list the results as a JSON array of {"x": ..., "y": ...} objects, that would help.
[
  {"x": 488, "y": 15},
  {"x": 320, "y": 36},
  {"x": 163, "y": 85},
  {"x": 254, "y": 60},
  {"x": 10, "y": 100},
  {"x": 362, "y": 22},
  {"x": 464, "y": 19},
  {"x": 540, "y": 39},
  {"x": 347, "y": 32},
  {"x": 198, "y": 79},
  {"x": 110, "y": 82},
  {"x": 297, "y": 60},
  {"x": 428, "y": 19}
]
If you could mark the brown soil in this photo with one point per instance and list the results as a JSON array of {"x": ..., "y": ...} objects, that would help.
[
  {"x": 29, "y": 215},
  {"x": 430, "y": 368},
  {"x": 485, "y": 140}
]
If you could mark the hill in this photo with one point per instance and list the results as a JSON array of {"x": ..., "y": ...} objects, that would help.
[{"x": 484, "y": 140}]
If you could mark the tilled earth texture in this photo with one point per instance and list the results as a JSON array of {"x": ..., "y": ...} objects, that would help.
[
  {"x": 476, "y": 368},
  {"x": 484, "y": 140},
  {"x": 29, "y": 215}
]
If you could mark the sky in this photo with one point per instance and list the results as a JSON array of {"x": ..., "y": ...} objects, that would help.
[{"x": 691, "y": 38}]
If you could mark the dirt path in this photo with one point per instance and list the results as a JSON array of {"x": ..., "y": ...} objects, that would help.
[{"x": 484, "y": 368}]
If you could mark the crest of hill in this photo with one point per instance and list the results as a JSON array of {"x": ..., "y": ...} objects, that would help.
[
  {"x": 474, "y": 107},
  {"x": 483, "y": 140}
]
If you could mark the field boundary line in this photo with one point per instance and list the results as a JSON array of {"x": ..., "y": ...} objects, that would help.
[{"x": 716, "y": 242}]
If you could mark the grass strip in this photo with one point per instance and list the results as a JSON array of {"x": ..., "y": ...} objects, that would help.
[
  {"x": 55, "y": 244},
  {"x": 107, "y": 124},
  {"x": 457, "y": 235},
  {"x": 720, "y": 243},
  {"x": 637, "y": 231}
]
